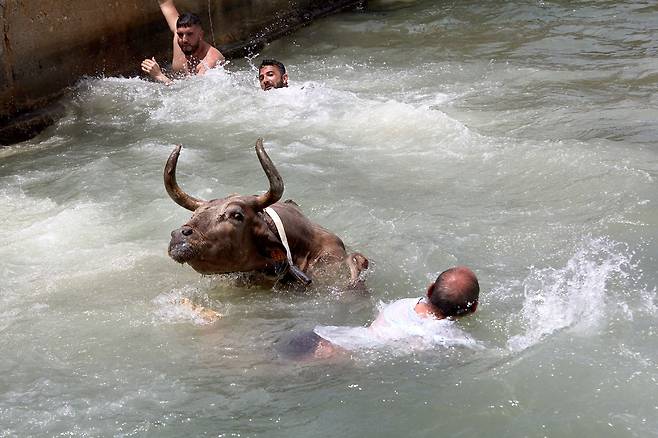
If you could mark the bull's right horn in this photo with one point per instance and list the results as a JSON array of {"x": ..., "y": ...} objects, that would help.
[
  {"x": 176, "y": 193},
  {"x": 276, "y": 182}
]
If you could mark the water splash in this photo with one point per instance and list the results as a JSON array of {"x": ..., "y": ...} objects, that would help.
[
  {"x": 186, "y": 304},
  {"x": 573, "y": 296}
]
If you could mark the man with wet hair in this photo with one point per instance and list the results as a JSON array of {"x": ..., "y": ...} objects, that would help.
[
  {"x": 454, "y": 294},
  {"x": 272, "y": 74},
  {"x": 192, "y": 54}
]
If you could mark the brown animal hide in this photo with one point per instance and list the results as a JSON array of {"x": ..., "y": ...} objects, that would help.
[{"x": 234, "y": 234}]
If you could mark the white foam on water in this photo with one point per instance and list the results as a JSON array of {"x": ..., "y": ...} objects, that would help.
[
  {"x": 220, "y": 104},
  {"x": 71, "y": 237},
  {"x": 19, "y": 207},
  {"x": 649, "y": 300},
  {"x": 573, "y": 297},
  {"x": 60, "y": 251}
]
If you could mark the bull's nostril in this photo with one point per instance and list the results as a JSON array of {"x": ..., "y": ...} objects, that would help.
[{"x": 186, "y": 231}]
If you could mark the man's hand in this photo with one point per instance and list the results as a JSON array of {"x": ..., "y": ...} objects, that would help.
[{"x": 152, "y": 68}]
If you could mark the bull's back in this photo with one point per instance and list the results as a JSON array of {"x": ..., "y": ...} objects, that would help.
[{"x": 309, "y": 237}]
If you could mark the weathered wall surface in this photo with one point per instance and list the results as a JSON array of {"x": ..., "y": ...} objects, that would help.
[{"x": 49, "y": 44}]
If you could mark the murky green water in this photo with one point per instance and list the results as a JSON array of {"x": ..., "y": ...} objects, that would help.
[{"x": 518, "y": 138}]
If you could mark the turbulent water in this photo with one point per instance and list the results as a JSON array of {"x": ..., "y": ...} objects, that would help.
[{"x": 516, "y": 137}]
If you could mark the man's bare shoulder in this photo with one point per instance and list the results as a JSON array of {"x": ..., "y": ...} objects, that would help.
[{"x": 214, "y": 57}]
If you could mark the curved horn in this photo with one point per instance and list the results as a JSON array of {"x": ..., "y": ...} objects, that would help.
[
  {"x": 176, "y": 193},
  {"x": 276, "y": 182}
]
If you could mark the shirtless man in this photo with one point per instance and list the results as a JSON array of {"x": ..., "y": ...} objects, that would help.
[
  {"x": 454, "y": 294},
  {"x": 192, "y": 54},
  {"x": 272, "y": 74}
]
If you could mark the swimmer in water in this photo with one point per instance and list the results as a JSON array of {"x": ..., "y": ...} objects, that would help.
[
  {"x": 192, "y": 54},
  {"x": 454, "y": 294},
  {"x": 272, "y": 74}
]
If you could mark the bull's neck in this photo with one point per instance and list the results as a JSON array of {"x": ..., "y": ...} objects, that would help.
[
  {"x": 280, "y": 231},
  {"x": 298, "y": 250}
]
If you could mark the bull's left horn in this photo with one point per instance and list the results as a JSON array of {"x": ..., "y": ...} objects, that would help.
[
  {"x": 176, "y": 193},
  {"x": 276, "y": 182}
]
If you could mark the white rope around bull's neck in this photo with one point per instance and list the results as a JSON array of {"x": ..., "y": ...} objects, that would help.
[{"x": 282, "y": 232}]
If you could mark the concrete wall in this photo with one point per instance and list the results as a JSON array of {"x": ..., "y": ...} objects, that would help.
[{"x": 49, "y": 44}]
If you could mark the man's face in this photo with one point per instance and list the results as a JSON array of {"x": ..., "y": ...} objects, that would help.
[
  {"x": 189, "y": 38},
  {"x": 270, "y": 77}
]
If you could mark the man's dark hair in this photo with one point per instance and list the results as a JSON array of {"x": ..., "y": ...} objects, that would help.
[
  {"x": 188, "y": 19},
  {"x": 455, "y": 292},
  {"x": 274, "y": 62}
]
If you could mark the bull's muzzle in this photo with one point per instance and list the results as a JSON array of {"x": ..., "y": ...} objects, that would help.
[{"x": 180, "y": 247}]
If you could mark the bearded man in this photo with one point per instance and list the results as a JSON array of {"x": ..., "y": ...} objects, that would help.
[
  {"x": 192, "y": 54},
  {"x": 272, "y": 74}
]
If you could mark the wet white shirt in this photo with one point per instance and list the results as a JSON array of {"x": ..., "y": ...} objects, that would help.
[{"x": 398, "y": 324}]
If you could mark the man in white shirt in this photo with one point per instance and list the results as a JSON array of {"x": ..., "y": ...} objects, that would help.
[{"x": 424, "y": 321}]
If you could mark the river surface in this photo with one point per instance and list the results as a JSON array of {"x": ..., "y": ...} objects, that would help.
[{"x": 515, "y": 137}]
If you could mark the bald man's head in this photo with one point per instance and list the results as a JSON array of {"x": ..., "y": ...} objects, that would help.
[{"x": 455, "y": 292}]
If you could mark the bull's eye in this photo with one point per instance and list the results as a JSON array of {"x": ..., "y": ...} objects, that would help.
[{"x": 237, "y": 216}]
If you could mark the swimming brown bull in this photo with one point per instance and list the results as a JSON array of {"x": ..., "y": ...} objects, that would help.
[{"x": 236, "y": 234}]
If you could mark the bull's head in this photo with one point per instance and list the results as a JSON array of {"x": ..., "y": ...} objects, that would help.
[{"x": 228, "y": 234}]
